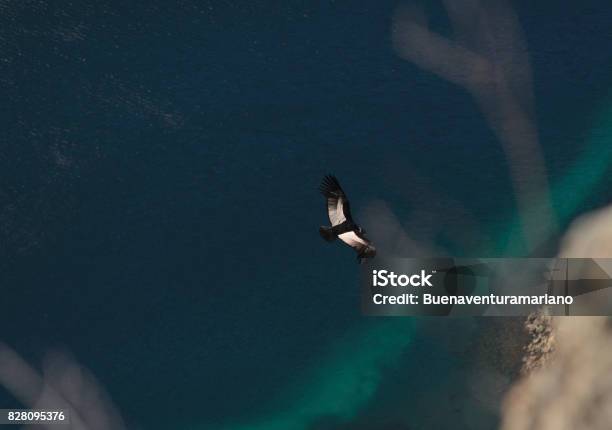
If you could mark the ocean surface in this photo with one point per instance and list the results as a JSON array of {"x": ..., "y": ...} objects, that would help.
[{"x": 159, "y": 165}]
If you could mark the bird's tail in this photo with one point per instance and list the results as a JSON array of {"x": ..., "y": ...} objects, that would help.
[
  {"x": 368, "y": 252},
  {"x": 327, "y": 233}
]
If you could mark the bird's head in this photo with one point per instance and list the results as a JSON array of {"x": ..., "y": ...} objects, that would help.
[{"x": 362, "y": 230}]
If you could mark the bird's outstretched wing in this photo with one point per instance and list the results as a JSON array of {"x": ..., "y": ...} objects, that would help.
[
  {"x": 338, "y": 208},
  {"x": 359, "y": 243},
  {"x": 352, "y": 239}
]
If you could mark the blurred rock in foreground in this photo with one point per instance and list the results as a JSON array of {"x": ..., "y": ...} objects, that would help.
[
  {"x": 574, "y": 389},
  {"x": 542, "y": 344},
  {"x": 590, "y": 236},
  {"x": 568, "y": 364}
]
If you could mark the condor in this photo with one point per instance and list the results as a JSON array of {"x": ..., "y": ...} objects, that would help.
[{"x": 342, "y": 224}]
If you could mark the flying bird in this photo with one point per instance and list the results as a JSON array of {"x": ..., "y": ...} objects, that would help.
[{"x": 342, "y": 224}]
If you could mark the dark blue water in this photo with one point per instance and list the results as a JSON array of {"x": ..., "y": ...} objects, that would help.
[{"x": 159, "y": 166}]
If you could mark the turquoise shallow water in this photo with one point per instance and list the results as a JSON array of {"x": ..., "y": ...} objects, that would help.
[{"x": 158, "y": 208}]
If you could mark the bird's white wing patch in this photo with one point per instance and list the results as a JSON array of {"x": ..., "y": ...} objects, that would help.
[
  {"x": 335, "y": 211},
  {"x": 351, "y": 239}
]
